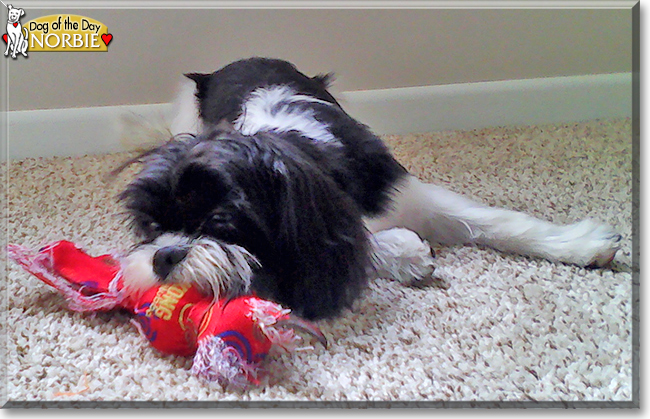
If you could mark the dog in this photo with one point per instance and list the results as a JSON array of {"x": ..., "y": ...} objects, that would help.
[
  {"x": 16, "y": 34},
  {"x": 269, "y": 186}
]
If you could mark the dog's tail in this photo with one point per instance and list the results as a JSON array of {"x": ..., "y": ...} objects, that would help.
[
  {"x": 146, "y": 132},
  {"x": 139, "y": 132}
]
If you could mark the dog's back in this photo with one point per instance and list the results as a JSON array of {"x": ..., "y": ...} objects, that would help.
[{"x": 264, "y": 94}]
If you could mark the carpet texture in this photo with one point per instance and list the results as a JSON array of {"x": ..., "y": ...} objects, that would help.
[{"x": 509, "y": 328}]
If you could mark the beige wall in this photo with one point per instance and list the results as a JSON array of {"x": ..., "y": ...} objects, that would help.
[{"x": 368, "y": 49}]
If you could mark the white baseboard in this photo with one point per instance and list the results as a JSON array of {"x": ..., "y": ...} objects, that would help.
[
  {"x": 478, "y": 105},
  {"x": 73, "y": 132}
]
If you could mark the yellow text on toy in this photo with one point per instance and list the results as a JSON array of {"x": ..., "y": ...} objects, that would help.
[{"x": 166, "y": 299}]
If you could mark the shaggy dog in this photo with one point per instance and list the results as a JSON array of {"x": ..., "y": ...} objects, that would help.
[{"x": 269, "y": 186}]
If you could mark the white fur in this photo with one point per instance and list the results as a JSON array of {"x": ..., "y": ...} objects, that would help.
[
  {"x": 186, "y": 110},
  {"x": 441, "y": 216},
  {"x": 400, "y": 254},
  {"x": 213, "y": 266},
  {"x": 270, "y": 109}
]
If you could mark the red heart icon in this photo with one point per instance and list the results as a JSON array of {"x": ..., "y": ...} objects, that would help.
[
  {"x": 15, "y": 24},
  {"x": 4, "y": 37},
  {"x": 107, "y": 38}
]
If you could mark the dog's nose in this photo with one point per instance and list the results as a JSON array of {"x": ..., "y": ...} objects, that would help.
[{"x": 166, "y": 258}]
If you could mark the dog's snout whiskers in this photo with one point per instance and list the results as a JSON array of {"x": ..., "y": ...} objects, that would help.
[{"x": 215, "y": 268}]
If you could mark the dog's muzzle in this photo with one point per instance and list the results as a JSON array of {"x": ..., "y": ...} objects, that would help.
[{"x": 217, "y": 268}]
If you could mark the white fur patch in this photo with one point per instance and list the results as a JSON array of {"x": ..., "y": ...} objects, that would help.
[
  {"x": 270, "y": 109},
  {"x": 137, "y": 270},
  {"x": 186, "y": 110},
  {"x": 400, "y": 254}
]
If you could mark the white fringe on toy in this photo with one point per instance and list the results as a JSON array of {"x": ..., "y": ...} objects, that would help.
[
  {"x": 215, "y": 361},
  {"x": 266, "y": 315},
  {"x": 41, "y": 264}
]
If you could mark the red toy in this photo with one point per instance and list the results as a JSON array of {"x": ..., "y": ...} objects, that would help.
[{"x": 229, "y": 339}]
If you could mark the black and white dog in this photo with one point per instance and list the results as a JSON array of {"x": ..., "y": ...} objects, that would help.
[{"x": 269, "y": 186}]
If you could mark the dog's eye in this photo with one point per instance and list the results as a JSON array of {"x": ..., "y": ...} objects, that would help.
[
  {"x": 154, "y": 227},
  {"x": 220, "y": 217},
  {"x": 150, "y": 229},
  {"x": 218, "y": 222}
]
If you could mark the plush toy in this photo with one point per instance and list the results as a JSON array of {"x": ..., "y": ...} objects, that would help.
[{"x": 229, "y": 339}]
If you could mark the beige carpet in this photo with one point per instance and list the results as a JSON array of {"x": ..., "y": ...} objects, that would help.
[{"x": 509, "y": 328}]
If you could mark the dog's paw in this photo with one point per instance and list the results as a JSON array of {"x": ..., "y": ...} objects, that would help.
[
  {"x": 607, "y": 252},
  {"x": 589, "y": 244},
  {"x": 401, "y": 255}
]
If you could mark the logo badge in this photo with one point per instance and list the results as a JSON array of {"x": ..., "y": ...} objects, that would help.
[
  {"x": 53, "y": 33},
  {"x": 16, "y": 36}
]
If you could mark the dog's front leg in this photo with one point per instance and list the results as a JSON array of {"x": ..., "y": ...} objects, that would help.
[
  {"x": 15, "y": 45},
  {"x": 10, "y": 41},
  {"x": 8, "y": 45},
  {"x": 400, "y": 254},
  {"x": 441, "y": 216}
]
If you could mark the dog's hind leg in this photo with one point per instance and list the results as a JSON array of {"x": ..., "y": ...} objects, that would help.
[
  {"x": 441, "y": 216},
  {"x": 23, "y": 44}
]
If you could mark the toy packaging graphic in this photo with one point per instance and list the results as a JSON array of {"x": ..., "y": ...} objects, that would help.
[{"x": 229, "y": 339}]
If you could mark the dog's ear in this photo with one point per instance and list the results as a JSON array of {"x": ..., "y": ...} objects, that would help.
[
  {"x": 325, "y": 80},
  {"x": 199, "y": 78},
  {"x": 320, "y": 236},
  {"x": 22, "y": 12},
  {"x": 219, "y": 96}
]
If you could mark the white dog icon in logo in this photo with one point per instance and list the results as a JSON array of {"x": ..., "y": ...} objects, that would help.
[{"x": 16, "y": 36}]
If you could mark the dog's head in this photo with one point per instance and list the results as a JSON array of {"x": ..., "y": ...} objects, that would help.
[
  {"x": 237, "y": 214},
  {"x": 14, "y": 14}
]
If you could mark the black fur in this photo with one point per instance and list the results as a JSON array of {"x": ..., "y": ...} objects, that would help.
[
  {"x": 266, "y": 195},
  {"x": 294, "y": 203},
  {"x": 369, "y": 169},
  {"x": 222, "y": 93}
]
